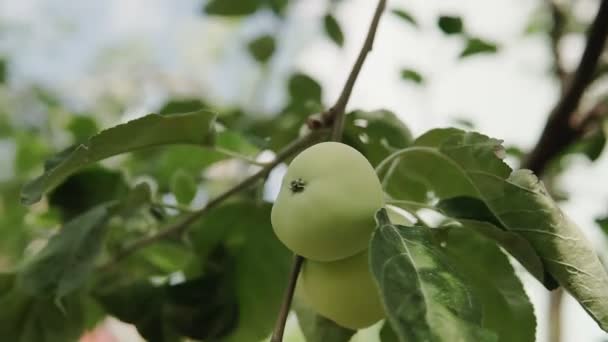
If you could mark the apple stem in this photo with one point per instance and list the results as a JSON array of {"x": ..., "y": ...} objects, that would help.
[{"x": 279, "y": 329}]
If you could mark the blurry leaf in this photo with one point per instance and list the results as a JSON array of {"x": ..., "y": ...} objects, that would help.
[
  {"x": 86, "y": 189},
  {"x": 464, "y": 122},
  {"x": 232, "y": 7},
  {"x": 200, "y": 308},
  {"x": 403, "y": 14},
  {"x": 411, "y": 75},
  {"x": 82, "y": 127},
  {"x": 183, "y": 105},
  {"x": 454, "y": 163},
  {"x": 245, "y": 235},
  {"x": 302, "y": 88},
  {"x": 31, "y": 149},
  {"x": 278, "y": 6},
  {"x": 3, "y": 69},
  {"x": 387, "y": 334},
  {"x": 377, "y": 134},
  {"x": 183, "y": 186},
  {"x": 592, "y": 145},
  {"x": 603, "y": 223},
  {"x": 450, "y": 24},
  {"x": 506, "y": 309},
  {"x": 25, "y": 318},
  {"x": 333, "y": 30},
  {"x": 424, "y": 299},
  {"x": 152, "y": 130},
  {"x": 66, "y": 262},
  {"x": 476, "y": 46},
  {"x": 317, "y": 328},
  {"x": 262, "y": 48}
]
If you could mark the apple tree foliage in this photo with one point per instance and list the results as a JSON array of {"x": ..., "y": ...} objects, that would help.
[{"x": 119, "y": 222}]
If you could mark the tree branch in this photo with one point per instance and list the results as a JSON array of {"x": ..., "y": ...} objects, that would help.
[
  {"x": 559, "y": 132},
  {"x": 279, "y": 328},
  {"x": 181, "y": 225},
  {"x": 337, "y": 111}
]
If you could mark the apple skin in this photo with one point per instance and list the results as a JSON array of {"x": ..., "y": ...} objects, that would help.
[
  {"x": 343, "y": 291},
  {"x": 327, "y": 201}
]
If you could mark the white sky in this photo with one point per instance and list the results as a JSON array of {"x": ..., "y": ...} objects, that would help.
[{"x": 164, "y": 47}]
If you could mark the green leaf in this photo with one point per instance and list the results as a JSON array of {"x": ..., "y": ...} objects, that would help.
[
  {"x": 182, "y": 105},
  {"x": 82, "y": 127},
  {"x": 303, "y": 88},
  {"x": 424, "y": 298},
  {"x": 593, "y": 144},
  {"x": 333, "y": 30},
  {"x": 25, "y": 318},
  {"x": 66, "y": 262},
  {"x": 387, "y": 333},
  {"x": 506, "y": 309},
  {"x": 245, "y": 236},
  {"x": 86, "y": 189},
  {"x": 202, "y": 308},
  {"x": 377, "y": 134},
  {"x": 3, "y": 72},
  {"x": 183, "y": 186},
  {"x": 403, "y": 14},
  {"x": 450, "y": 24},
  {"x": 603, "y": 223},
  {"x": 262, "y": 48},
  {"x": 195, "y": 128},
  {"x": 478, "y": 46},
  {"x": 317, "y": 328},
  {"x": 411, "y": 75},
  {"x": 232, "y": 7},
  {"x": 454, "y": 163}
]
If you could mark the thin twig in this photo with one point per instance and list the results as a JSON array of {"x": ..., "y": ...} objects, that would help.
[
  {"x": 338, "y": 109},
  {"x": 279, "y": 329},
  {"x": 559, "y": 131},
  {"x": 178, "y": 227}
]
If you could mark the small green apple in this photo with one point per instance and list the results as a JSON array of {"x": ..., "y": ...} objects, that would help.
[
  {"x": 342, "y": 291},
  {"x": 327, "y": 201}
]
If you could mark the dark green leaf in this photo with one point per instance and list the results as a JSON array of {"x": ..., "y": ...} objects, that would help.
[
  {"x": 3, "y": 69},
  {"x": 182, "y": 105},
  {"x": 262, "y": 48},
  {"x": 202, "y": 308},
  {"x": 333, "y": 30},
  {"x": 25, "y": 318},
  {"x": 603, "y": 223},
  {"x": 450, "y": 24},
  {"x": 195, "y": 128},
  {"x": 66, "y": 262},
  {"x": 86, "y": 189},
  {"x": 303, "y": 88},
  {"x": 592, "y": 145},
  {"x": 411, "y": 75},
  {"x": 506, "y": 309},
  {"x": 317, "y": 328},
  {"x": 387, "y": 334},
  {"x": 476, "y": 46},
  {"x": 403, "y": 14},
  {"x": 246, "y": 230},
  {"x": 232, "y": 7},
  {"x": 183, "y": 186},
  {"x": 424, "y": 298}
]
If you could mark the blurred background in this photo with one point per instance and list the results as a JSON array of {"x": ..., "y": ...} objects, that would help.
[{"x": 69, "y": 68}]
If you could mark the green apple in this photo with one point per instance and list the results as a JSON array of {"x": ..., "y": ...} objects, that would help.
[
  {"x": 342, "y": 291},
  {"x": 326, "y": 204}
]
